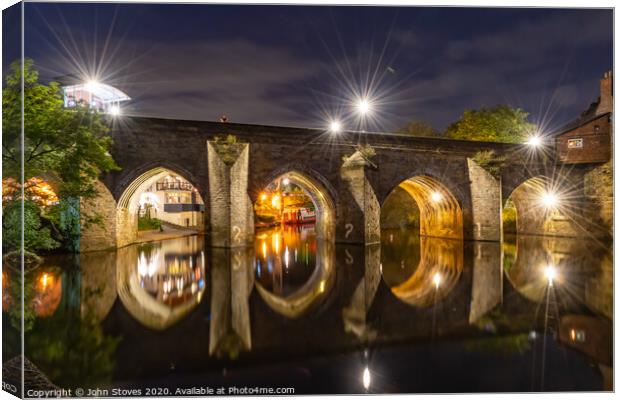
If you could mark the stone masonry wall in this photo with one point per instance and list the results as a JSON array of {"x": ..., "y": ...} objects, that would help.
[
  {"x": 102, "y": 235},
  {"x": 486, "y": 203}
]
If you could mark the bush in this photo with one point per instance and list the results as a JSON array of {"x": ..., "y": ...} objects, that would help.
[{"x": 149, "y": 224}]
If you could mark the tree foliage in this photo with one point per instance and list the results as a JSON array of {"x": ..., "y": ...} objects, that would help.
[
  {"x": 70, "y": 144},
  {"x": 66, "y": 146},
  {"x": 420, "y": 128},
  {"x": 36, "y": 236},
  {"x": 497, "y": 124}
]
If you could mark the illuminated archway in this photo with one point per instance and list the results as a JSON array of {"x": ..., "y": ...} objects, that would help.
[
  {"x": 424, "y": 278},
  {"x": 440, "y": 214},
  {"x": 323, "y": 204},
  {"x": 146, "y": 190},
  {"x": 538, "y": 207}
]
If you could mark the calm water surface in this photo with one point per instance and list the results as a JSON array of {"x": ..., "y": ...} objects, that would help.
[{"x": 413, "y": 314}]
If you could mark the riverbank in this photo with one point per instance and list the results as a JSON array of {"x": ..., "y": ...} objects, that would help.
[{"x": 168, "y": 232}]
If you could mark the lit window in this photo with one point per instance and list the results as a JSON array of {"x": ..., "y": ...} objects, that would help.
[
  {"x": 597, "y": 128},
  {"x": 575, "y": 143}
]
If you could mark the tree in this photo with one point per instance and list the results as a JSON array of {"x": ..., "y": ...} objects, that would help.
[
  {"x": 419, "y": 128},
  {"x": 497, "y": 124},
  {"x": 36, "y": 237},
  {"x": 70, "y": 144}
]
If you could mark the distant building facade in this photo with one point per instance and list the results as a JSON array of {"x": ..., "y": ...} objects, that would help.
[{"x": 588, "y": 139}]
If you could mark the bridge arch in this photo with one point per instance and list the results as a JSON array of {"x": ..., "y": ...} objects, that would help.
[
  {"x": 540, "y": 205},
  {"x": 315, "y": 187},
  {"x": 129, "y": 199},
  {"x": 440, "y": 212}
]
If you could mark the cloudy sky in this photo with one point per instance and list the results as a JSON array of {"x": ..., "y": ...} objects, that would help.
[{"x": 302, "y": 66}]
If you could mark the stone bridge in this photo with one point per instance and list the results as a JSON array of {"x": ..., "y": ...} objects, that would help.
[{"x": 349, "y": 175}]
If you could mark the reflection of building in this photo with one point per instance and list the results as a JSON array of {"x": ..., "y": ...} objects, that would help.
[
  {"x": 589, "y": 335},
  {"x": 172, "y": 276},
  {"x": 161, "y": 283},
  {"x": 174, "y": 200}
]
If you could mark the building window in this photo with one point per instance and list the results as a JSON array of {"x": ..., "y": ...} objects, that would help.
[
  {"x": 597, "y": 128},
  {"x": 575, "y": 143}
]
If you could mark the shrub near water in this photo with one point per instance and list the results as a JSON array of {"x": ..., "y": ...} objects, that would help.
[{"x": 149, "y": 224}]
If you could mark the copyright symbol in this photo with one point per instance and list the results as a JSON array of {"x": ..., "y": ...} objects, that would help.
[{"x": 79, "y": 392}]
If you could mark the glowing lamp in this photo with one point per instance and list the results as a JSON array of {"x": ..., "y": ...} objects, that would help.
[
  {"x": 335, "y": 127},
  {"x": 285, "y": 181},
  {"x": 92, "y": 85},
  {"x": 436, "y": 197},
  {"x": 263, "y": 197},
  {"x": 115, "y": 110},
  {"x": 549, "y": 200},
  {"x": 363, "y": 106},
  {"x": 534, "y": 141}
]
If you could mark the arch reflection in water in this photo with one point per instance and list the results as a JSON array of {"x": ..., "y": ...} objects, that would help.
[
  {"x": 294, "y": 270},
  {"x": 533, "y": 263},
  {"x": 161, "y": 282},
  {"x": 419, "y": 270}
]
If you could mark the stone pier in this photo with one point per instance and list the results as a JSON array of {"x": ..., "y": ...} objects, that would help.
[
  {"x": 359, "y": 210},
  {"x": 232, "y": 217}
]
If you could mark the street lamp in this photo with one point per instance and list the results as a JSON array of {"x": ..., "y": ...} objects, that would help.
[
  {"x": 436, "y": 197},
  {"x": 363, "y": 106},
  {"x": 335, "y": 127},
  {"x": 534, "y": 141},
  {"x": 92, "y": 85}
]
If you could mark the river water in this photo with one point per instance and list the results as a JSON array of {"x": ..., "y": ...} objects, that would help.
[{"x": 409, "y": 315}]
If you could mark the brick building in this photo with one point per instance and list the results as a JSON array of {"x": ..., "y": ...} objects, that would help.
[{"x": 588, "y": 139}]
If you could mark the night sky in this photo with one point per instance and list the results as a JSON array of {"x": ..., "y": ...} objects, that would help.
[{"x": 302, "y": 66}]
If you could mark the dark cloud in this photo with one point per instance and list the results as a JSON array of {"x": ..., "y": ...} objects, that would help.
[{"x": 295, "y": 65}]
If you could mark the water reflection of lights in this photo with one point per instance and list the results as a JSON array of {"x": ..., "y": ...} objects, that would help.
[
  {"x": 147, "y": 263},
  {"x": 291, "y": 284},
  {"x": 424, "y": 282},
  {"x": 366, "y": 378},
  {"x": 550, "y": 274},
  {"x": 166, "y": 283},
  {"x": 437, "y": 279},
  {"x": 286, "y": 257}
]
